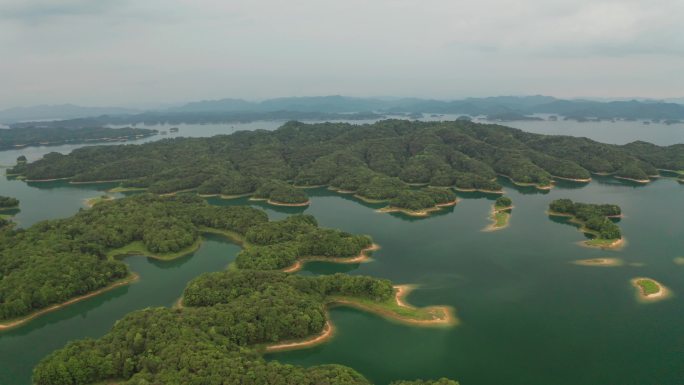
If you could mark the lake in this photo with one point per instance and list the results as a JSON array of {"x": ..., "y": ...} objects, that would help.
[{"x": 528, "y": 315}]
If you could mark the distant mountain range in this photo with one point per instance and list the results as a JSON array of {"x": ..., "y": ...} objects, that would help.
[
  {"x": 572, "y": 109},
  {"x": 500, "y": 108},
  {"x": 58, "y": 112}
]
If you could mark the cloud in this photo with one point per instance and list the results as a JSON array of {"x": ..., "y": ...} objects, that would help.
[
  {"x": 33, "y": 10},
  {"x": 596, "y": 28},
  {"x": 125, "y": 51}
]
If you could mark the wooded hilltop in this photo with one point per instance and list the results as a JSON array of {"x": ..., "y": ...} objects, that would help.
[{"x": 376, "y": 161}]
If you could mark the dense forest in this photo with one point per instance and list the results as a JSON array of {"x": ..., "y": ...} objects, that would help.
[
  {"x": 377, "y": 161},
  {"x": 34, "y": 136},
  {"x": 594, "y": 217},
  {"x": 503, "y": 202},
  {"x": 54, "y": 261},
  {"x": 216, "y": 337},
  {"x": 8, "y": 202}
]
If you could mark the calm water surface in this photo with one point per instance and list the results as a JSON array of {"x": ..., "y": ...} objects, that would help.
[{"x": 528, "y": 316}]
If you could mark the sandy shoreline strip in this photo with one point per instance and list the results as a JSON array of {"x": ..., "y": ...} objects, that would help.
[
  {"x": 125, "y": 281},
  {"x": 662, "y": 294},
  {"x": 492, "y": 226},
  {"x": 360, "y": 258},
  {"x": 45, "y": 180},
  {"x": 97, "y": 181},
  {"x": 303, "y": 204},
  {"x": 420, "y": 213},
  {"x": 324, "y": 336},
  {"x": 642, "y": 181},
  {"x": 601, "y": 262},
  {"x": 617, "y": 244},
  {"x": 442, "y": 316},
  {"x": 498, "y": 192},
  {"x": 522, "y": 184},
  {"x": 578, "y": 180}
]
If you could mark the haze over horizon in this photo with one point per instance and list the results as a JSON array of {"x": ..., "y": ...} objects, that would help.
[{"x": 128, "y": 53}]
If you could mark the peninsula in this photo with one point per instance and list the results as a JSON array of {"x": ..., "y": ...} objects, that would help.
[
  {"x": 592, "y": 219},
  {"x": 420, "y": 203},
  {"x": 501, "y": 214},
  {"x": 225, "y": 320}
]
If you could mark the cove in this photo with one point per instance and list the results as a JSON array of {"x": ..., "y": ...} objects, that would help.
[{"x": 161, "y": 283}]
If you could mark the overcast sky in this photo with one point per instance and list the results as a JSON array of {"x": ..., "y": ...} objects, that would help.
[{"x": 128, "y": 52}]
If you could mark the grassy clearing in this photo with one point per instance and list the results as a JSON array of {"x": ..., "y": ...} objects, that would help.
[
  {"x": 600, "y": 242},
  {"x": 396, "y": 309},
  {"x": 648, "y": 286},
  {"x": 501, "y": 218}
]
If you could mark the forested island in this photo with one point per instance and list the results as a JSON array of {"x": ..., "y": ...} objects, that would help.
[
  {"x": 55, "y": 261},
  {"x": 422, "y": 202},
  {"x": 227, "y": 318},
  {"x": 8, "y": 203},
  {"x": 593, "y": 219},
  {"x": 501, "y": 213},
  {"x": 650, "y": 290},
  {"x": 379, "y": 162},
  {"x": 43, "y": 136}
]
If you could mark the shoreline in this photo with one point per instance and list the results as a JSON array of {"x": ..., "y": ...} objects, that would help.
[
  {"x": 662, "y": 294},
  {"x": 641, "y": 181},
  {"x": 360, "y": 258},
  {"x": 303, "y": 204},
  {"x": 324, "y": 336},
  {"x": 420, "y": 213},
  {"x": 617, "y": 244},
  {"x": 304, "y": 187},
  {"x": 498, "y": 192},
  {"x": 222, "y": 196},
  {"x": 447, "y": 318},
  {"x": 97, "y": 181},
  {"x": 369, "y": 200},
  {"x": 274, "y": 203},
  {"x": 91, "y": 202},
  {"x": 441, "y": 316},
  {"x": 578, "y": 180},
  {"x": 493, "y": 226},
  {"x": 45, "y": 180},
  {"x": 340, "y": 191},
  {"x": 600, "y": 262},
  {"x": 523, "y": 184},
  {"x": 132, "y": 277}
]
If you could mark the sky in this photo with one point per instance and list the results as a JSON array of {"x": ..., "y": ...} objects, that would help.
[{"x": 153, "y": 52}]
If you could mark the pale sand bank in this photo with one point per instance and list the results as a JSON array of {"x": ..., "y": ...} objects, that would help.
[
  {"x": 662, "y": 294},
  {"x": 362, "y": 257},
  {"x": 603, "y": 262}
]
